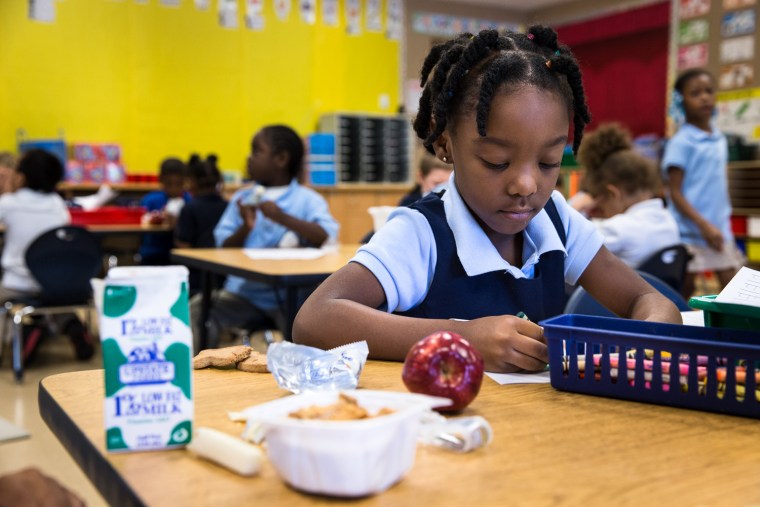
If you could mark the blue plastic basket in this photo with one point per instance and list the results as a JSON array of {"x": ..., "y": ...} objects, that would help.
[{"x": 569, "y": 335}]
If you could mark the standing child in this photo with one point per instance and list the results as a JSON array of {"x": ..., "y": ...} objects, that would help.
[
  {"x": 195, "y": 226},
  {"x": 623, "y": 186},
  {"x": 694, "y": 164},
  {"x": 26, "y": 213},
  {"x": 164, "y": 205},
  {"x": 274, "y": 211},
  {"x": 500, "y": 240}
]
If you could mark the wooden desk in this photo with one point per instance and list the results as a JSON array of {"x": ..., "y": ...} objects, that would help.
[
  {"x": 289, "y": 274},
  {"x": 549, "y": 448}
]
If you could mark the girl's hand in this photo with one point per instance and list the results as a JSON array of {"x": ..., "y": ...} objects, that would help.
[
  {"x": 508, "y": 343},
  {"x": 713, "y": 236},
  {"x": 248, "y": 214},
  {"x": 271, "y": 210}
]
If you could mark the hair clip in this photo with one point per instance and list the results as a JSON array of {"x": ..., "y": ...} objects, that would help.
[
  {"x": 548, "y": 64},
  {"x": 531, "y": 36},
  {"x": 556, "y": 52}
]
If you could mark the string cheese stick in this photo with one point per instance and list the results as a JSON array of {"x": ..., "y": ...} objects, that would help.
[{"x": 226, "y": 450}]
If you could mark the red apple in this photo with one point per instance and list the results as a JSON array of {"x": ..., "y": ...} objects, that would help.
[{"x": 444, "y": 364}]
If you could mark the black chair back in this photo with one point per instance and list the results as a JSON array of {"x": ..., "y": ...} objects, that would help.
[
  {"x": 63, "y": 260},
  {"x": 669, "y": 265}
]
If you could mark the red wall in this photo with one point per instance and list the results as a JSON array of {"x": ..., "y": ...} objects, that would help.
[{"x": 624, "y": 60}]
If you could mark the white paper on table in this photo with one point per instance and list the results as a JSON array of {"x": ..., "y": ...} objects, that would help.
[
  {"x": 284, "y": 254},
  {"x": 541, "y": 377},
  {"x": 743, "y": 289}
]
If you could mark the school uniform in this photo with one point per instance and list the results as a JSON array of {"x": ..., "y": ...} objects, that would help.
[
  {"x": 26, "y": 214},
  {"x": 639, "y": 232},
  {"x": 703, "y": 158},
  {"x": 156, "y": 247},
  {"x": 434, "y": 260},
  {"x": 245, "y": 303}
]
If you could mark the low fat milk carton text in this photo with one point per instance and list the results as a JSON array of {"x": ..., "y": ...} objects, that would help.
[{"x": 147, "y": 351}]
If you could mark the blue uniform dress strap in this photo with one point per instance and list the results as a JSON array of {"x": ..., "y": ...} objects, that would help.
[{"x": 454, "y": 294}]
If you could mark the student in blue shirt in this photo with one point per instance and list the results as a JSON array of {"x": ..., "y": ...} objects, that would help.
[
  {"x": 694, "y": 165},
  {"x": 500, "y": 240},
  {"x": 156, "y": 247},
  {"x": 274, "y": 211}
]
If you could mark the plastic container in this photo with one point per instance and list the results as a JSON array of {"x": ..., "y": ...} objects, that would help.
[
  {"x": 572, "y": 334},
  {"x": 107, "y": 215},
  {"x": 343, "y": 458},
  {"x": 731, "y": 315}
]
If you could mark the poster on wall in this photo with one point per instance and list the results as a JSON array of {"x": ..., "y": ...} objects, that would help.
[
  {"x": 738, "y": 49},
  {"x": 394, "y": 19},
  {"x": 693, "y": 8},
  {"x": 737, "y": 75},
  {"x": 42, "y": 10},
  {"x": 202, "y": 5},
  {"x": 374, "y": 16},
  {"x": 691, "y": 32},
  {"x": 330, "y": 12},
  {"x": 353, "y": 17},
  {"x": 737, "y": 4},
  {"x": 692, "y": 56},
  {"x": 282, "y": 9},
  {"x": 228, "y": 13},
  {"x": 443, "y": 25},
  {"x": 171, "y": 3},
  {"x": 254, "y": 14},
  {"x": 739, "y": 113},
  {"x": 738, "y": 23},
  {"x": 308, "y": 10}
]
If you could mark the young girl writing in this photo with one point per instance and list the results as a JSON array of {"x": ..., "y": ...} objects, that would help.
[
  {"x": 623, "y": 187},
  {"x": 497, "y": 107},
  {"x": 695, "y": 168}
]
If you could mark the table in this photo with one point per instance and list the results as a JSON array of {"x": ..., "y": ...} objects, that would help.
[
  {"x": 549, "y": 448},
  {"x": 289, "y": 274}
]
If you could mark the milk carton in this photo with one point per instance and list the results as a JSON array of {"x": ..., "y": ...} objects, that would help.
[{"x": 147, "y": 351}]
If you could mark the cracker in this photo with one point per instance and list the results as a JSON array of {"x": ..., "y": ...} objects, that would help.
[
  {"x": 255, "y": 363},
  {"x": 221, "y": 358}
]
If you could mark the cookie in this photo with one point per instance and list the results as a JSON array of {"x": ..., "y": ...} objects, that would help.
[
  {"x": 255, "y": 363},
  {"x": 221, "y": 358}
]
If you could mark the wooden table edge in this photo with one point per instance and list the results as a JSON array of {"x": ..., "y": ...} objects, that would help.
[{"x": 95, "y": 466}]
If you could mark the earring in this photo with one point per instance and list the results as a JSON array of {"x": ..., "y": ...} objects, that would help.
[{"x": 445, "y": 159}]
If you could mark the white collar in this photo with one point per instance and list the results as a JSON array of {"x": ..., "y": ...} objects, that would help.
[{"x": 476, "y": 252}]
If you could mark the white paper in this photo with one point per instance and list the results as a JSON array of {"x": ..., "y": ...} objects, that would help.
[
  {"x": 228, "y": 13},
  {"x": 282, "y": 9},
  {"x": 330, "y": 12},
  {"x": 284, "y": 253},
  {"x": 42, "y": 10},
  {"x": 353, "y": 17},
  {"x": 373, "y": 18},
  {"x": 541, "y": 377},
  {"x": 695, "y": 318},
  {"x": 308, "y": 10},
  {"x": 97, "y": 200},
  {"x": 254, "y": 17},
  {"x": 743, "y": 289}
]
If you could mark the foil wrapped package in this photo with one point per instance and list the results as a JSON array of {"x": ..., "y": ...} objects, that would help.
[
  {"x": 300, "y": 368},
  {"x": 458, "y": 434}
]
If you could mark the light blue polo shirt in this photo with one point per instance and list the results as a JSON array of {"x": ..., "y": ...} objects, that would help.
[
  {"x": 402, "y": 254},
  {"x": 703, "y": 157},
  {"x": 298, "y": 201}
]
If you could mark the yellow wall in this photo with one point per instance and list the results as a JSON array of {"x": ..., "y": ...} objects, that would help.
[{"x": 167, "y": 81}]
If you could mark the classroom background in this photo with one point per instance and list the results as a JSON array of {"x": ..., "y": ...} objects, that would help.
[{"x": 116, "y": 86}]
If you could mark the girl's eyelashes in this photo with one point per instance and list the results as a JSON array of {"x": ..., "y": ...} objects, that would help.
[
  {"x": 553, "y": 165},
  {"x": 494, "y": 166}
]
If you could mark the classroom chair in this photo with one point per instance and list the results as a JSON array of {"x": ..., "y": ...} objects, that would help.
[
  {"x": 669, "y": 265},
  {"x": 62, "y": 260}
]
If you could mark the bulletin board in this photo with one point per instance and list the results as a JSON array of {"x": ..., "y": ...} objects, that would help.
[
  {"x": 722, "y": 36},
  {"x": 171, "y": 77}
]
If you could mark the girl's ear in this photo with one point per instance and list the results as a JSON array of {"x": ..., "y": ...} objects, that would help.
[
  {"x": 613, "y": 191},
  {"x": 442, "y": 147},
  {"x": 282, "y": 159}
]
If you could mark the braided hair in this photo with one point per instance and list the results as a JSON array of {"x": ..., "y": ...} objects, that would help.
[
  {"x": 205, "y": 173},
  {"x": 466, "y": 72}
]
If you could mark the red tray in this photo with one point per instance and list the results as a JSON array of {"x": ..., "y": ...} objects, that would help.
[{"x": 107, "y": 215}]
